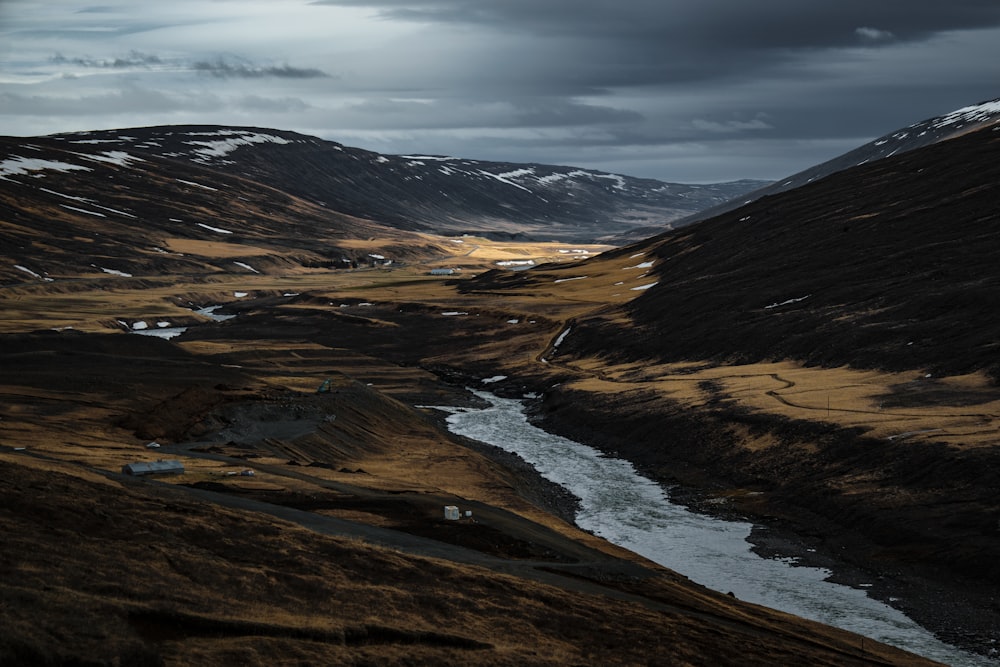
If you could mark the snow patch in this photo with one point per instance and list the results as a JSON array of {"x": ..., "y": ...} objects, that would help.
[
  {"x": 644, "y": 287},
  {"x": 32, "y": 273},
  {"x": 233, "y": 139},
  {"x": 787, "y": 301},
  {"x": 566, "y": 280},
  {"x": 19, "y": 166},
  {"x": 83, "y": 210},
  {"x": 119, "y": 158},
  {"x": 246, "y": 266},
  {"x": 500, "y": 178},
  {"x": 214, "y": 229},
  {"x": 197, "y": 185},
  {"x": 116, "y": 272}
]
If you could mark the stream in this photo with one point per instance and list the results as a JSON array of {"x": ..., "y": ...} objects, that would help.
[{"x": 632, "y": 511}]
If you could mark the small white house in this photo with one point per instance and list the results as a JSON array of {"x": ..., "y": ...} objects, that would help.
[
  {"x": 161, "y": 467},
  {"x": 451, "y": 513}
]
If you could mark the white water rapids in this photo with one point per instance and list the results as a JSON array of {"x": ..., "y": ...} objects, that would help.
[{"x": 629, "y": 510}]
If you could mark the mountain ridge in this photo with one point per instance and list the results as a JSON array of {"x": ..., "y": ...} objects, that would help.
[{"x": 438, "y": 194}]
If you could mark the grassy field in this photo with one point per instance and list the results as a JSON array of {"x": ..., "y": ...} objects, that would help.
[{"x": 264, "y": 574}]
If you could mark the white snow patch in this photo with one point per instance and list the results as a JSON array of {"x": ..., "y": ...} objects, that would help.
[
  {"x": 120, "y": 158},
  {"x": 246, "y": 266},
  {"x": 513, "y": 321},
  {"x": 643, "y": 265},
  {"x": 234, "y": 139},
  {"x": 83, "y": 210},
  {"x": 552, "y": 178},
  {"x": 139, "y": 326},
  {"x": 32, "y": 273},
  {"x": 619, "y": 180},
  {"x": 432, "y": 158},
  {"x": 638, "y": 254},
  {"x": 240, "y": 295},
  {"x": 214, "y": 229},
  {"x": 19, "y": 166},
  {"x": 516, "y": 173},
  {"x": 163, "y": 324},
  {"x": 165, "y": 333},
  {"x": 787, "y": 301},
  {"x": 516, "y": 262},
  {"x": 197, "y": 185},
  {"x": 644, "y": 287},
  {"x": 500, "y": 178},
  {"x": 116, "y": 272},
  {"x": 495, "y": 378},
  {"x": 452, "y": 313},
  {"x": 566, "y": 280},
  {"x": 561, "y": 337}
]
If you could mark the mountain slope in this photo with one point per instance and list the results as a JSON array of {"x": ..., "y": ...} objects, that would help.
[
  {"x": 438, "y": 194},
  {"x": 888, "y": 265},
  {"x": 75, "y": 208},
  {"x": 912, "y": 137}
]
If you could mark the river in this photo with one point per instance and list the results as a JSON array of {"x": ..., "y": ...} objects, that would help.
[{"x": 632, "y": 511}]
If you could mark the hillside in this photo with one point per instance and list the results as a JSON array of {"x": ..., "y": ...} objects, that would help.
[
  {"x": 917, "y": 135},
  {"x": 437, "y": 194}
]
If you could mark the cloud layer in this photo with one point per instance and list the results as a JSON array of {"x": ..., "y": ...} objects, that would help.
[{"x": 683, "y": 90}]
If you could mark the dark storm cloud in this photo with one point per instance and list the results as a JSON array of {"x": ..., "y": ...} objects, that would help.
[
  {"x": 133, "y": 59},
  {"x": 684, "y": 90},
  {"x": 645, "y": 42},
  {"x": 225, "y": 69}
]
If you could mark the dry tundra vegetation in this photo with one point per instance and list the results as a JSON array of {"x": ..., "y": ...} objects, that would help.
[{"x": 335, "y": 550}]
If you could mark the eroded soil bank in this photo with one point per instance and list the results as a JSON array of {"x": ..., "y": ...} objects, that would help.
[{"x": 916, "y": 525}]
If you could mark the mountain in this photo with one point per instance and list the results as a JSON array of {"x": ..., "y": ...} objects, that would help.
[
  {"x": 69, "y": 208},
  {"x": 442, "y": 195},
  {"x": 912, "y": 137}
]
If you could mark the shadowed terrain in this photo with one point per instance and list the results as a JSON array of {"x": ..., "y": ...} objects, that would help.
[{"x": 760, "y": 361}]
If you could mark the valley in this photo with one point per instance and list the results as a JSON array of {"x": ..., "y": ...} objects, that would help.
[{"x": 736, "y": 368}]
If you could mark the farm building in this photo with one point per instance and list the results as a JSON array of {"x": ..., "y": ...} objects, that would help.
[
  {"x": 443, "y": 272},
  {"x": 161, "y": 467}
]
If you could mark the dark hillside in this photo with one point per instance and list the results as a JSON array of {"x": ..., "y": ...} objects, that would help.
[
  {"x": 890, "y": 265},
  {"x": 445, "y": 195}
]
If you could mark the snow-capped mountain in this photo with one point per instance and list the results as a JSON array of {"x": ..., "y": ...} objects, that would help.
[
  {"x": 917, "y": 135},
  {"x": 428, "y": 192}
]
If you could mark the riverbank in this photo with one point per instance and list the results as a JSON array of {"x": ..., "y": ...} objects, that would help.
[{"x": 692, "y": 456}]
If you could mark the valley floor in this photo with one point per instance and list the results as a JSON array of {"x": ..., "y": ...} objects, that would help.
[{"x": 335, "y": 550}]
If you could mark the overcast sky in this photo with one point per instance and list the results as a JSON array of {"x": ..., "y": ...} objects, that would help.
[{"x": 682, "y": 90}]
